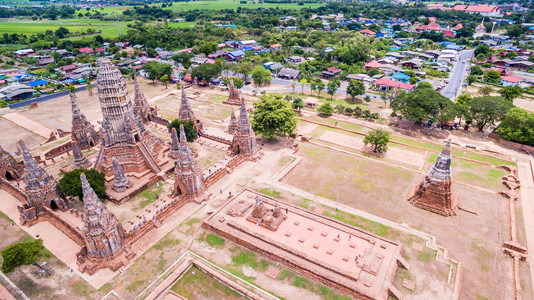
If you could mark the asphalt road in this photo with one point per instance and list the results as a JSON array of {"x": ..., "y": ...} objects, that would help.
[{"x": 456, "y": 78}]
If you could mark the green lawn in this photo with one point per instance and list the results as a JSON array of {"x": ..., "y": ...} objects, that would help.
[{"x": 108, "y": 28}]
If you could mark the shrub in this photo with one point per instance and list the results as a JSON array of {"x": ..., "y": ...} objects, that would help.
[
  {"x": 71, "y": 184},
  {"x": 189, "y": 128}
]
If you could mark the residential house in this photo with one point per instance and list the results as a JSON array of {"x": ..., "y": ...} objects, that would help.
[
  {"x": 400, "y": 77},
  {"x": 295, "y": 60},
  {"x": 247, "y": 43},
  {"x": 390, "y": 69},
  {"x": 434, "y": 53},
  {"x": 331, "y": 72},
  {"x": 289, "y": 73},
  {"x": 16, "y": 92},
  {"x": 218, "y": 54},
  {"x": 384, "y": 84},
  {"x": 275, "y": 47},
  {"x": 86, "y": 50},
  {"x": 24, "y": 53},
  {"x": 412, "y": 64},
  {"x": 521, "y": 65},
  {"x": 67, "y": 69},
  {"x": 372, "y": 65},
  {"x": 511, "y": 81},
  {"x": 38, "y": 83},
  {"x": 235, "y": 55},
  {"x": 367, "y": 32}
]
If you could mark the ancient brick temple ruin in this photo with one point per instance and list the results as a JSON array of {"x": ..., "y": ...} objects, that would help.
[
  {"x": 83, "y": 133},
  {"x": 347, "y": 258},
  {"x": 244, "y": 141},
  {"x": 232, "y": 127},
  {"x": 189, "y": 181},
  {"x": 187, "y": 114},
  {"x": 104, "y": 237},
  {"x": 80, "y": 161},
  {"x": 123, "y": 133},
  {"x": 434, "y": 193},
  {"x": 41, "y": 189},
  {"x": 141, "y": 106},
  {"x": 234, "y": 98},
  {"x": 120, "y": 181},
  {"x": 10, "y": 169},
  {"x": 174, "y": 153}
]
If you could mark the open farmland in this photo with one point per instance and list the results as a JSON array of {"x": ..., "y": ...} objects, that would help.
[{"x": 108, "y": 28}]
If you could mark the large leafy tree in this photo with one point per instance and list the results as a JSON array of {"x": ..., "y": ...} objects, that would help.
[
  {"x": 484, "y": 49},
  {"x": 492, "y": 76},
  {"x": 24, "y": 253},
  {"x": 355, "y": 88},
  {"x": 183, "y": 58},
  {"x": 189, "y": 128},
  {"x": 326, "y": 109},
  {"x": 488, "y": 110},
  {"x": 511, "y": 92},
  {"x": 518, "y": 126},
  {"x": 156, "y": 70},
  {"x": 332, "y": 86},
  {"x": 206, "y": 72},
  {"x": 261, "y": 76},
  {"x": 273, "y": 116},
  {"x": 379, "y": 139},
  {"x": 244, "y": 68},
  {"x": 71, "y": 184},
  {"x": 422, "y": 104}
]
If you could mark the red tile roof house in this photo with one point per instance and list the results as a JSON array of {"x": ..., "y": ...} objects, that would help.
[
  {"x": 385, "y": 85},
  {"x": 68, "y": 68},
  {"x": 331, "y": 72},
  {"x": 86, "y": 50},
  {"x": 372, "y": 65},
  {"x": 367, "y": 32},
  {"x": 511, "y": 80}
]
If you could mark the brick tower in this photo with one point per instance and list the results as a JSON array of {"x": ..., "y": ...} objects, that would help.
[
  {"x": 123, "y": 134},
  {"x": 120, "y": 181},
  {"x": 80, "y": 162},
  {"x": 189, "y": 181},
  {"x": 141, "y": 106},
  {"x": 244, "y": 141},
  {"x": 10, "y": 169},
  {"x": 104, "y": 236},
  {"x": 434, "y": 193},
  {"x": 232, "y": 127},
  {"x": 41, "y": 188},
  {"x": 174, "y": 153},
  {"x": 234, "y": 98},
  {"x": 82, "y": 132},
  {"x": 186, "y": 113}
]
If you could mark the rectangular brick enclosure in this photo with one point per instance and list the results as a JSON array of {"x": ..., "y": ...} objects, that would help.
[{"x": 347, "y": 258}]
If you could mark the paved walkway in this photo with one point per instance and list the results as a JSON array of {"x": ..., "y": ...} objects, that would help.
[{"x": 29, "y": 124}]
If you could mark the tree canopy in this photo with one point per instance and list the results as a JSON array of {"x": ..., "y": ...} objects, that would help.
[
  {"x": 488, "y": 110},
  {"x": 273, "y": 116},
  {"x": 24, "y": 253},
  {"x": 326, "y": 109},
  {"x": 355, "y": 88},
  {"x": 511, "y": 92},
  {"x": 71, "y": 184},
  {"x": 189, "y": 127},
  {"x": 206, "y": 72},
  {"x": 422, "y": 104},
  {"x": 261, "y": 76},
  {"x": 518, "y": 126},
  {"x": 156, "y": 70},
  {"x": 379, "y": 139}
]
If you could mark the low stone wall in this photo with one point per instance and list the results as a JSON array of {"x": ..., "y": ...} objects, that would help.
[
  {"x": 73, "y": 233},
  {"x": 216, "y": 138},
  {"x": 14, "y": 191},
  {"x": 161, "y": 121},
  {"x": 513, "y": 145},
  {"x": 59, "y": 150}
]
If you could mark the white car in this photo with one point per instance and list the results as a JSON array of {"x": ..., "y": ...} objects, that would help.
[{"x": 464, "y": 61}]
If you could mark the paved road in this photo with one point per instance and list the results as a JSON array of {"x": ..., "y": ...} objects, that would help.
[{"x": 457, "y": 76}]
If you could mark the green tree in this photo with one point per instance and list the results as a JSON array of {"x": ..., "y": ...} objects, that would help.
[
  {"x": 273, "y": 116},
  {"x": 319, "y": 86},
  {"x": 379, "y": 139},
  {"x": 189, "y": 127},
  {"x": 326, "y": 109},
  {"x": 303, "y": 82},
  {"x": 484, "y": 49},
  {"x": 332, "y": 86},
  {"x": 367, "y": 98},
  {"x": 471, "y": 79},
  {"x": 24, "y": 253},
  {"x": 90, "y": 87},
  {"x": 261, "y": 76},
  {"x": 421, "y": 104},
  {"x": 165, "y": 80},
  {"x": 206, "y": 72},
  {"x": 293, "y": 85},
  {"x": 485, "y": 90},
  {"x": 518, "y": 126},
  {"x": 477, "y": 70},
  {"x": 244, "y": 68},
  {"x": 425, "y": 85},
  {"x": 71, "y": 184},
  {"x": 62, "y": 32},
  {"x": 492, "y": 76},
  {"x": 156, "y": 69},
  {"x": 298, "y": 103},
  {"x": 355, "y": 88},
  {"x": 511, "y": 92},
  {"x": 488, "y": 110},
  {"x": 183, "y": 58}
]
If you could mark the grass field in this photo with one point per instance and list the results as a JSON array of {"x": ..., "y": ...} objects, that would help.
[{"x": 108, "y": 28}]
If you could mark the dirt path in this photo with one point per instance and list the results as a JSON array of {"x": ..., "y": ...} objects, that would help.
[{"x": 525, "y": 173}]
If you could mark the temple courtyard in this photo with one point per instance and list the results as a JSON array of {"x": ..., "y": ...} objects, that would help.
[{"x": 332, "y": 186}]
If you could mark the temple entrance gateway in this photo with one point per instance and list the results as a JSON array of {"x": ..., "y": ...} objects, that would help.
[
  {"x": 53, "y": 205},
  {"x": 9, "y": 176}
]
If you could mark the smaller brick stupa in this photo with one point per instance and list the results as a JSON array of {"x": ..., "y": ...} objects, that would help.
[
  {"x": 434, "y": 193},
  {"x": 267, "y": 218},
  {"x": 244, "y": 141},
  {"x": 10, "y": 169},
  {"x": 186, "y": 112},
  {"x": 189, "y": 181},
  {"x": 83, "y": 133},
  {"x": 80, "y": 161},
  {"x": 232, "y": 127},
  {"x": 120, "y": 181},
  {"x": 174, "y": 153},
  {"x": 141, "y": 106},
  {"x": 234, "y": 98}
]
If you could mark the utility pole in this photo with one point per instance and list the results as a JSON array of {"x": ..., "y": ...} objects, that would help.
[{"x": 119, "y": 25}]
